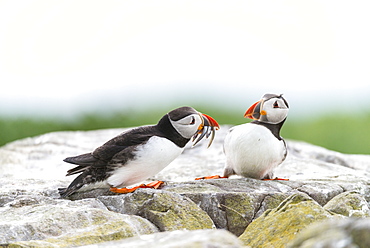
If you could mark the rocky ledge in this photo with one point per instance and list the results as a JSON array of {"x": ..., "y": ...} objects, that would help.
[{"x": 325, "y": 203}]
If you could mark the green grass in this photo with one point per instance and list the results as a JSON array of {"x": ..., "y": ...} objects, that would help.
[
  {"x": 334, "y": 132},
  {"x": 339, "y": 133}
]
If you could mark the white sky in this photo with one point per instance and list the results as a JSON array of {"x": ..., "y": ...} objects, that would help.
[{"x": 61, "y": 57}]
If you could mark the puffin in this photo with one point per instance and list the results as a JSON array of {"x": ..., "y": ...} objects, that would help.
[
  {"x": 256, "y": 148},
  {"x": 139, "y": 153}
]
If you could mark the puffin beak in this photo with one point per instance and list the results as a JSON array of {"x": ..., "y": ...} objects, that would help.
[
  {"x": 207, "y": 128},
  {"x": 254, "y": 111},
  {"x": 209, "y": 121}
]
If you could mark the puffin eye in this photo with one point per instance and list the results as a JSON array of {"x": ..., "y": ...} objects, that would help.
[
  {"x": 276, "y": 105},
  {"x": 192, "y": 120}
]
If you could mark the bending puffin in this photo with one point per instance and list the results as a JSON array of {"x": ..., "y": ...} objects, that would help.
[
  {"x": 140, "y": 153},
  {"x": 255, "y": 149}
]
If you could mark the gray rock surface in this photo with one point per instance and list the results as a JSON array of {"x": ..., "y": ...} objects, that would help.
[
  {"x": 345, "y": 233},
  {"x": 183, "y": 239},
  {"x": 168, "y": 211},
  {"x": 32, "y": 169},
  {"x": 276, "y": 227},
  {"x": 351, "y": 204},
  {"x": 234, "y": 203},
  {"x": 42, "y": 218}
]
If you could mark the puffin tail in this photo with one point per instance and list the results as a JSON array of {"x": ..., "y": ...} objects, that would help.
[
  {"x": 92, "y": 170},
  {"x": 62, "y": 192}
]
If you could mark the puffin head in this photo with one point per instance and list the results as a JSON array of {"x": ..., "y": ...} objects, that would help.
[
  {"x": 189, "y": 123},
  {"x": 272, "y": 108}
]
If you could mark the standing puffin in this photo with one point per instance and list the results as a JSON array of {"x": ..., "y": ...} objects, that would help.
[
  {"x": 255, "y": 149},
  {"x": 140, "y": 153}
]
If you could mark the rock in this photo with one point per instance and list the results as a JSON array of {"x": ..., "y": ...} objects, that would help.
[
  {"x": 336, "y": 233},
  {"x": 168, "y": 211},
  {"x": 302, "y": 150},
  {"x": 321, "y": 192},
  {"x": 351, "y": 204},
  {"x": 32, "y": 169},
  {"x": 184, "y": 239},
  {"x": 276, "y": 227},
  {"x": 64, "y": 223},
  {"x": 234, "y": 203}
]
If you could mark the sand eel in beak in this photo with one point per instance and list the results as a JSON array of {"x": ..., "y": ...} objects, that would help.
[
  {"x": 255, "y": 149},
  {"x": 207, "y": 128},
  {"x": 139, "y": 153}
]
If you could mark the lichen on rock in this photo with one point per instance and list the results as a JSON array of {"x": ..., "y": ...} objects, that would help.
[
  {"x": 278, "y": 226},
  {"x": 336, "y": 233},
  {"x": 350, "y": 204},
  {"x": 64, "y": 223},
  {"x": 168, "y": 211}
]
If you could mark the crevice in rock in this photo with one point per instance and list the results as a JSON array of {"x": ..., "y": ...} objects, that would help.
[{"x": 260, "y": 205}]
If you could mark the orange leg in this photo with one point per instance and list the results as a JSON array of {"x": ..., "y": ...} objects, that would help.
[
  {"x": 210, "y": 177},
  {"x": 153, "y": 185}
]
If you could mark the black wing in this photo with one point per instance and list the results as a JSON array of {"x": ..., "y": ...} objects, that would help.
[{"x": 126, "y": 140}]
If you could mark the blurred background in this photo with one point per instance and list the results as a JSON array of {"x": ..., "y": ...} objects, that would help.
[{"x": 82, "y": 65}]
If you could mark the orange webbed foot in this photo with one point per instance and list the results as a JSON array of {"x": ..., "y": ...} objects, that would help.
[
  {"x": 153, "y": 185},
  {"x": 210, "y": 177},
  {"x": 123, "y": 190},
  {"x": 276, "y": 179}
]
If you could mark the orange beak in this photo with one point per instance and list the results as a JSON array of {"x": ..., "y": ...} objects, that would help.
[
  {"x": 254, "y": 111},
  {"x": 209, "y": 121}
]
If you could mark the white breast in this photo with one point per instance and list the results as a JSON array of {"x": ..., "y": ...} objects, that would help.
[
  {"x": 150, "y": 159},
  {"x": 253, "y": 151}
]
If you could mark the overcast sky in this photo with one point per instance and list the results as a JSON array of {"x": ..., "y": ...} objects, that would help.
[{"x": 62, "y": 57}]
